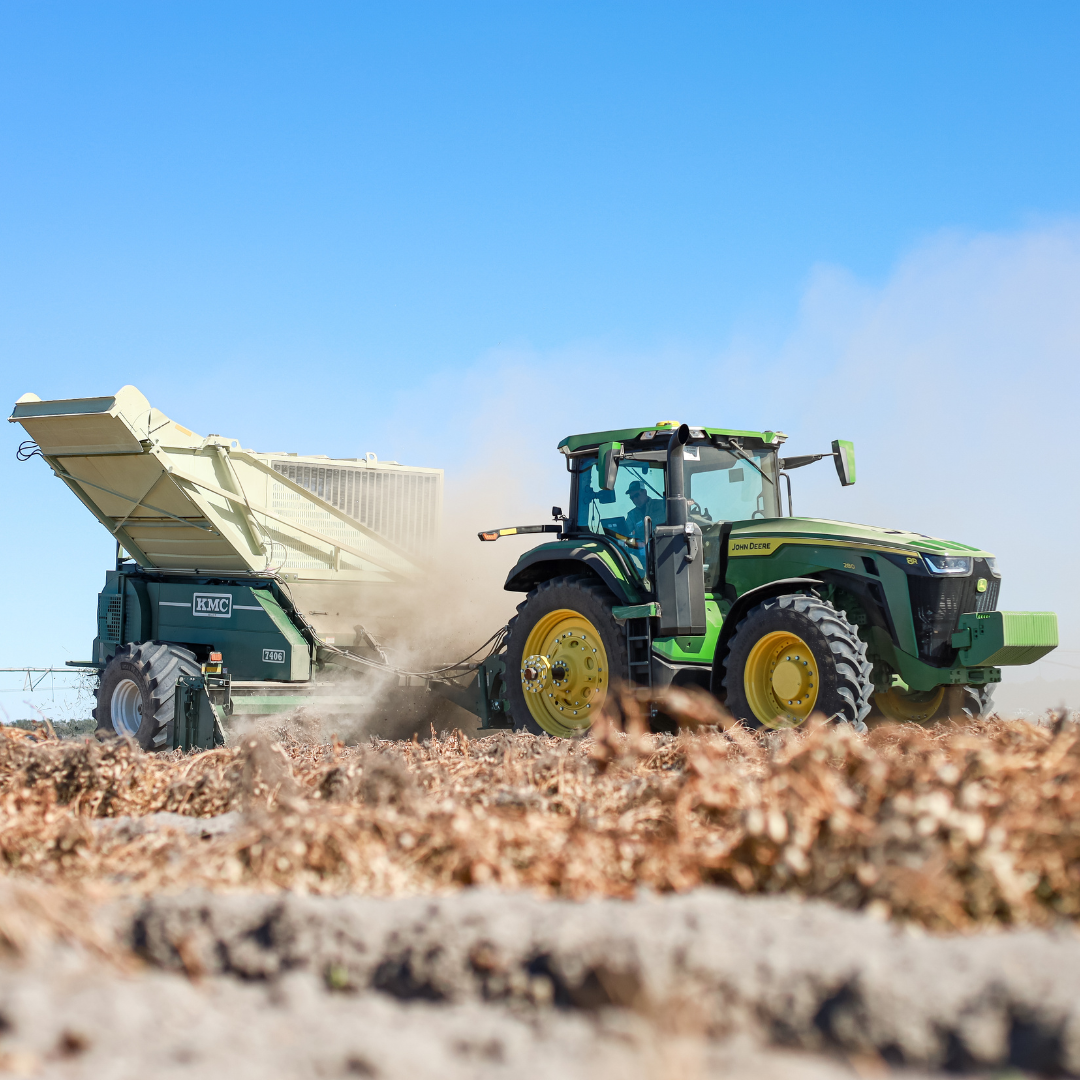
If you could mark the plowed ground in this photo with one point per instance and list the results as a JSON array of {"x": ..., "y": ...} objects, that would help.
[{"x": 955, "y": 827}]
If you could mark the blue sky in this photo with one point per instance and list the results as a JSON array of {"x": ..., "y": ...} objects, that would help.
[{"x": 401, "y": 227}]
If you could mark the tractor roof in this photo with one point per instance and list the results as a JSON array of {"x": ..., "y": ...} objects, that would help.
[{"x": 573, "y": 443}]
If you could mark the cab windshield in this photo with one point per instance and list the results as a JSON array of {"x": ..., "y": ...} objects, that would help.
[{"x": 720, "y": 486}]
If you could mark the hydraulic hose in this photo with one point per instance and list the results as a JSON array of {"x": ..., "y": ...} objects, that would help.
[
  {"x": 461, "y": 668},
  {"x": 447, "y": 671}
]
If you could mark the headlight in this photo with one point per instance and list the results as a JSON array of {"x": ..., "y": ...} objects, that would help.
[
  {"x": 948, "y": 564},
  {"x": 994, "y": 568}
]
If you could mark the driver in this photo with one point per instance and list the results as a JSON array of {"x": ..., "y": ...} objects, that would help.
[{"x": 643, "y": 507}]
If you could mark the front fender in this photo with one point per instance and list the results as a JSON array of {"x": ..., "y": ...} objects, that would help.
[{"x": 554, "y": 560}]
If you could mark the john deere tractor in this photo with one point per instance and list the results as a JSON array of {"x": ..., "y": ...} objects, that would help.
[{"x": 676, "y": 564}]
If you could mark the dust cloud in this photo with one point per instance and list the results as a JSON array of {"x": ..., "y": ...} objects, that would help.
[{"x": 440, "y": 618}]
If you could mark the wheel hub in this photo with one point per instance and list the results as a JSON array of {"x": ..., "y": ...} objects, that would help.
[
  {"x": 564, "y": 674},
  {"x": 790, "y": 679},
  {"x": 125, "y": 708},
  {"x": 534, "y": 674}
]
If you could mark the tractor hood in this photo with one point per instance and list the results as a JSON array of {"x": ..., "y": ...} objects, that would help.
[{"x": 897, "y": 540}]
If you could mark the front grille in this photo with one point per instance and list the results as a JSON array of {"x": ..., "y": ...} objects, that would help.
[{"x": 937, "y": 604}]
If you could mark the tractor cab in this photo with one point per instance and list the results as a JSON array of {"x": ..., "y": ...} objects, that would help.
[{"x": 620, "y": 487}]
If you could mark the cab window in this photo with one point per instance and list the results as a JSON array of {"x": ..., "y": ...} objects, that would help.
[
  {"x": 723, "y": 487},
  {"x": 620, "y": 514}
]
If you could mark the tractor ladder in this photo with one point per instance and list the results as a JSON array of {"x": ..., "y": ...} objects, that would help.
[{"x": 639, "y": 651}]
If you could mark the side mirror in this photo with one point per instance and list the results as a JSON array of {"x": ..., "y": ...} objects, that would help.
[
  {"x": 609, "y": 454},
  {"x": 843, "y": 453}
]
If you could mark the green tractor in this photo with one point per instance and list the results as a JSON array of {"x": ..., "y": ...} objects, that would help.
[{"x": 676, "y": 565}]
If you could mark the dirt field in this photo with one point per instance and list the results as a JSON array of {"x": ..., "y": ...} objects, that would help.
[{"x": 523, "y": 906}]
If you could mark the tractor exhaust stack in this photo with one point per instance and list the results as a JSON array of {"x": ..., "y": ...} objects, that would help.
[{"x": 676, "y": 490}]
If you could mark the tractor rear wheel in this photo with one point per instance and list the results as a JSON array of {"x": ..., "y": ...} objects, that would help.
[
  {"x": 564, "y": 652},
  {"x": 795, "y": 655},
  {"x": 135, "y": 695}
]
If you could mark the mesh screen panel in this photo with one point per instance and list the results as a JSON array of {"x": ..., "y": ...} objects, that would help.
[
  {"x": 112, "y": 618},
  {"x": 404, "y": 506}
]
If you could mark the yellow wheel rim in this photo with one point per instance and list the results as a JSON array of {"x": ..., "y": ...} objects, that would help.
[
  {"x": 781, "y": 680},
  {"x": 910, "y": 706},
  {"x": 564, "y": 673}
]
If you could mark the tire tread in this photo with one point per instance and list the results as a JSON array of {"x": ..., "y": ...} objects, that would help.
[
  {"x": 161, "y": 665},
  {"x": 584, "y": 583},
  {"x": 849, "y": 650}
]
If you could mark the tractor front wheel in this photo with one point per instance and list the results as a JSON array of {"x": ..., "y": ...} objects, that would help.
[
  {"x": 793, "y": 656},
  {"x": 933, "y": 706},
  {"x": 564, "y": 652},
  {"x": 135, "y": 695}
]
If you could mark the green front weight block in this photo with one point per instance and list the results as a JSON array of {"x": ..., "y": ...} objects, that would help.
[{"x": 1000, "y": 638}]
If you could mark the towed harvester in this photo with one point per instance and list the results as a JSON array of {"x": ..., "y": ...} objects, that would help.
[{"x": 239, "y": 575}]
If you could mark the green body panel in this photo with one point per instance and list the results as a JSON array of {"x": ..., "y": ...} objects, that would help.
[
  {"x": 764, "y": 551},
  {"x": 850, "y": 532},
  {"x": 693, "y": 650},
  {"x": 636, "y": 611},
  {"x": 846, "y": 557},
  {"x": 299, "y": 658},
  {"x": 628, "y": 583},
  {"x": 245, "y": 623},
  {"x": 1006, "y": 637}
]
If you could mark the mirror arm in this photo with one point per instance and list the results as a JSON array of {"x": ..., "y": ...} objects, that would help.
[{"x": 790, "y": 463}]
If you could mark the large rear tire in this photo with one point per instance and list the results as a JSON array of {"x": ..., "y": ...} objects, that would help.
[
  {"x": 135, "y": 695},
  {"x": 792, "y": 656},
  {"x": 564, "y": 652}
]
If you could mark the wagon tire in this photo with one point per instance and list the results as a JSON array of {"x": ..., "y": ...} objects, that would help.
[{"x": 135, "y": 693}]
